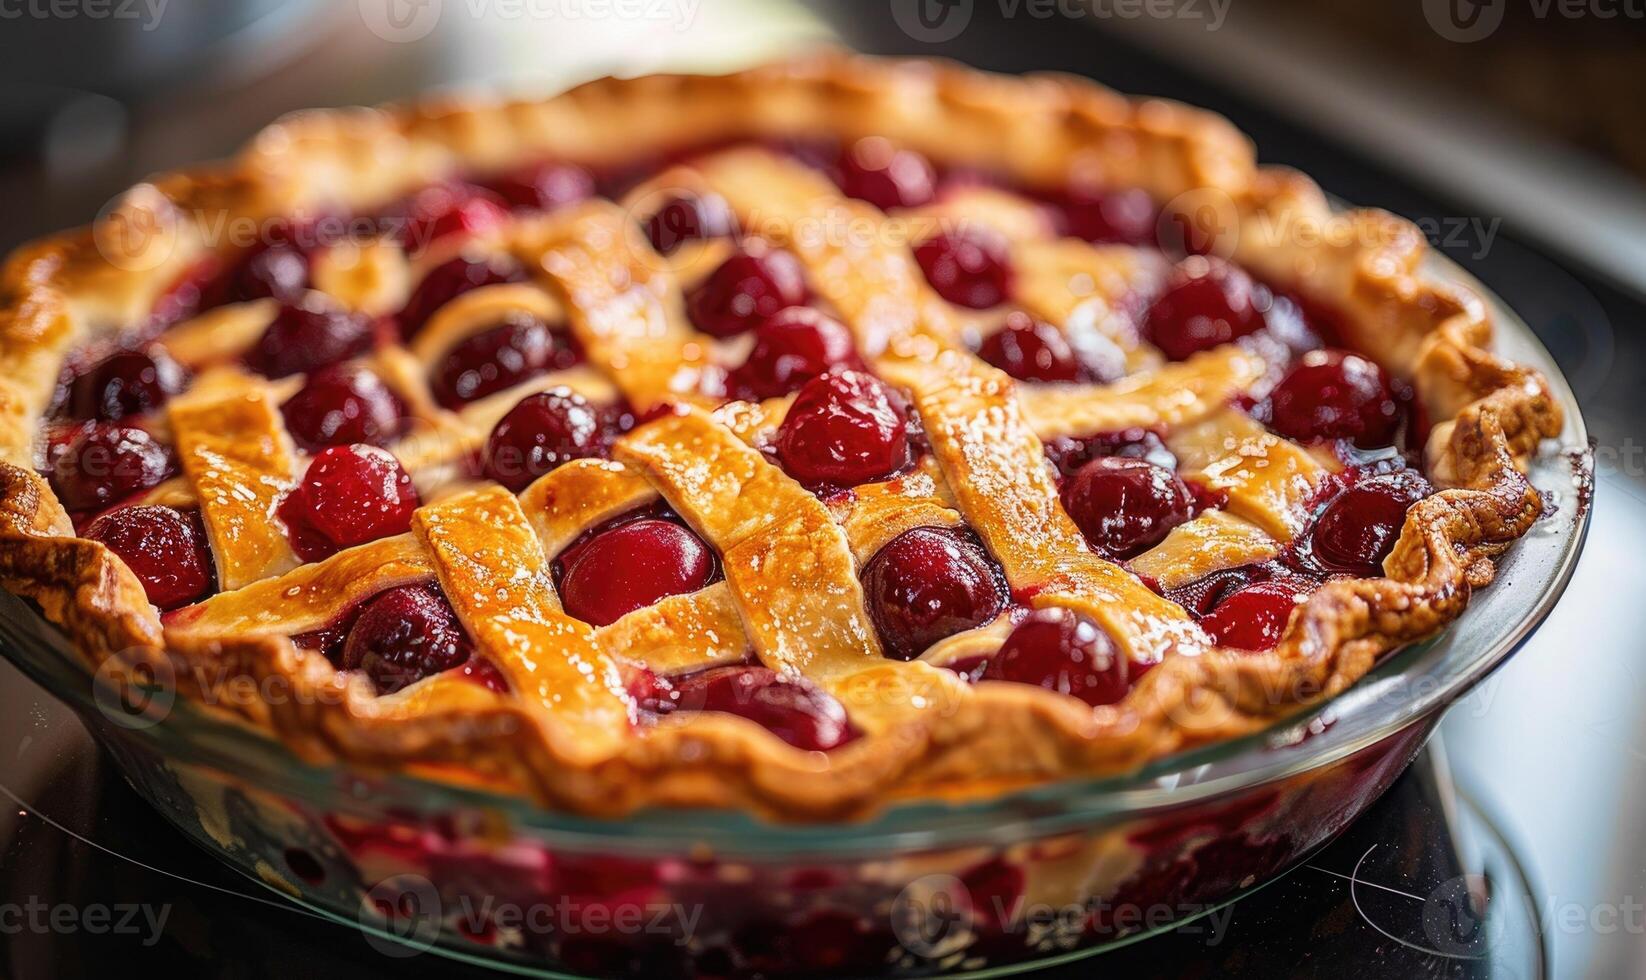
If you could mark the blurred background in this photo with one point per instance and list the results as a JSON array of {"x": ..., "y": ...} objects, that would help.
[{"x": 1512, "y": 131}]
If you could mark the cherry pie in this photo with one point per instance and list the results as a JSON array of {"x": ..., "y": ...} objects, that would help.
[{"x": 796, "y": 439}]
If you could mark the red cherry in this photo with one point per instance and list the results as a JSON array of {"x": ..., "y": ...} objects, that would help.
[
  {"x": 843, "y": 429},
  {"x": 1332, "y": 394},
  {"x": 969, "y": 268},
  {"x": 132, "y": 382},
  {"x": 449, "y": 280},
  {"x": 792, "y": 708},
  {"x": 485, "y": 363},
  {"x": 543, "y": 187},
  {"x": 349, "y": 496},
  {"x": 790, "y": 349},
  {"x": 309, "y": 336},
  {"x": 107, "y": 464},
  {"x": 274, "y": 269},
  {"x": 874, "y": 170},
  {"x": 747, "y": 289},
  {"x": 928, "y": 583},
  {"x": 1063, "y": 651},
  {"x": 403, "y": 635},
  {"x": 1124, "y": 217},
  {"x": 1254, "y": 617},
  {"x": 1125, "y": 506},
  {"x": 1032, "y": 350},
  {"x": 1359, "y": 527},
  {"x": 1207, "y": 302},
  {"x": 1069, "y": 453},
  {"x": 340, "y": 405},
  {"x": 633, "y": 566},
  {"x": 444, "y": 209},
  {"x": 689, "y": 217},
  {"x": 545, "y": 430},
  {"x": 166, "y": 548}
]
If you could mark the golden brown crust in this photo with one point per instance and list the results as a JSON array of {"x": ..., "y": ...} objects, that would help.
[{"x": 1489, "y": 417}]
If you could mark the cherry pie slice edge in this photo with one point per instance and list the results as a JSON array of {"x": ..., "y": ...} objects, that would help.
[{"x": 923, "y": 732}]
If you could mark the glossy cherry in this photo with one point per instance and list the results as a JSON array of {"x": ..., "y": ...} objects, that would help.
[
  {"x": 1063, "y": 651},
  {"x": 687, "y": 217},
  {"x": 349, "y": 496},
  {"x": 519, "y": 348},
  {"x": 166, "y": 548},
  {"x": 968, "y": 268},
  {"x": 449, "y": 280},
  {"x": 1069, "y": 453},
  {"x": 1125, "y": 217},
  {"x": 1359, "y": 527},
  {"x": 276, "y": 269},
  {"x": 310, "y": 335},
  {"x": 130, "y": 382},
  {"x": 1030, "y": 349},
  {"x": 1125, "y": 506},
  {"x": 1207, "y": 302},
  {"x": 790, "y": 349},
  {"x": 792, "y": 708},
  {"x": 873, "y": 169},
  {"x": 1333, "y": 394},
  {"x": 443, "y": 209},
  {"x": 342, "y": 404},
  {"x": 107, "y": 464},
  {"x": 745, "y": 290},
  {"x": 1254, "y": 617},
  {"x": 844, "y": 428},
  {"x": 545, "y": 430},
  {"x": 632, "y": 566},
  {"x": 543, "y": 187},
  {"x": 928, "y": 583},
  {"x": 403, "y": 635}
]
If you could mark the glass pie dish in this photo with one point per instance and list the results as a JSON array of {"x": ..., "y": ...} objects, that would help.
[{"x": 1031, "y": 877}]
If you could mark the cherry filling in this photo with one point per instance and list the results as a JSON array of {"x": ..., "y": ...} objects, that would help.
[
  {"x": 442, "y": 209},
  {"x": 545, "y": 430},
  {"x": 166, "y": 548},
  {"x": 307, "y": 336},
  {"x": 543, "y": 187},
  {"x": 1333, "y": 394},
  {"x": 1063, "y": 651},
  {"x": 519, "y": 348},
  {"x": 969, "y": 268},
  {"x": 874, "y": 170},
  {"x": 1207, "y": 302},
  {"x": 844, "y": 428},
  {"x": 790, "y": 349},
  {"x": 342, "y": 404},
  {"x": 403, "y": 635},
  {"x": 1360, "y": 525},
  {"x": 1125, "y": 217},
  {"x": 1030, "y": 349},
  {"x": 685, "y": 217},
  {"x": 1255, "y": 616},
  {"x": 107, "y": 464},
  {"x": 277, "y": 269},
  {"x": 1069, "y": 453},
  {"x": 929, "y": 583},
  {"x": 449, "y": 280},
  {"x": 792, "y": 708},
  {"x": 132, "y": 382},
  {"x": 632, "y": 566},
  {"x": 746, "y": 289},
  {"x": 1125, "y": 506},
  {"x": 349, "y": 496}
]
